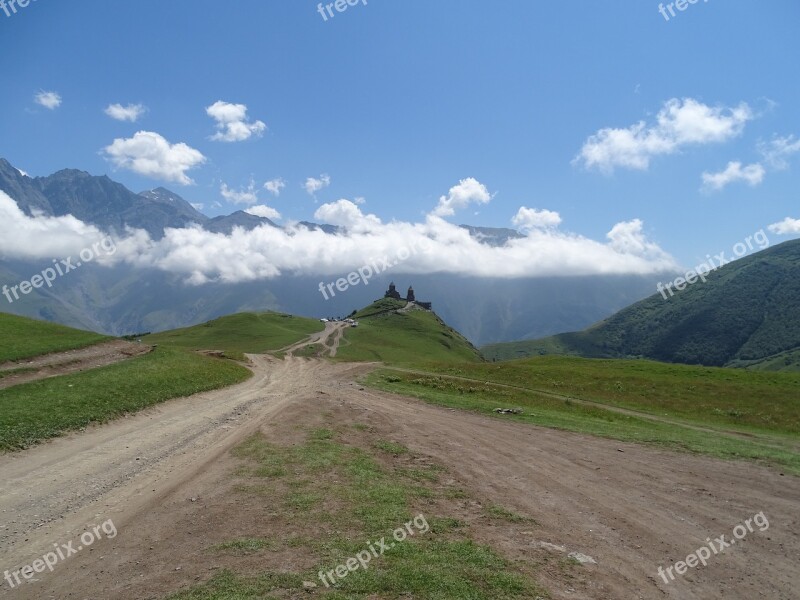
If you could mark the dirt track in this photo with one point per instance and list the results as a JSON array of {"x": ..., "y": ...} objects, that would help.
[
  {"x": 328, "y": 340},
  {"x": 629, "y": 507},
  {"x": 71, "y": 361}
]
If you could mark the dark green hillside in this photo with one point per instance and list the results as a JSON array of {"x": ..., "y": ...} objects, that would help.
[{"x": 746, "y": 312}]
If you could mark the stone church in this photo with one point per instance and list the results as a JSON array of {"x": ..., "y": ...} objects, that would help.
[{"x": 410, "y": 297}]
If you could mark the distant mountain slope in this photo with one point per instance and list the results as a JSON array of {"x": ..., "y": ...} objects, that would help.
[
  {"x": 225, "y": 224},
  {"x": 746, "y": 312},
  {"x": 98, "y": 201},
  {"x": 126, "y": 299},
  {"x": 493, "y": 236},
  {"x": 111, "y": 206}
]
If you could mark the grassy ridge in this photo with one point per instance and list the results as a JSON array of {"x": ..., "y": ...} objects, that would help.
[
  {"x": 24, "y": 338},
  {"x": 679, "y": 399},
  {"x": 403, "y": 338},
  {"x": 255, "y": 333},
  {"x": 759, "y": 401},
  {"x": 44, "y": 409}
]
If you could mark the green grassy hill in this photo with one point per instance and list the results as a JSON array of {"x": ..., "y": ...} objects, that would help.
[
  {"x": 746, "y": 313},
  {"x": 38, "y": 410},
  {"x": 21, "y": 337},
  {"x": 243, "y": 332},
  {"x": 385, "y": 333},
  {"x": 727, "y": 413}
]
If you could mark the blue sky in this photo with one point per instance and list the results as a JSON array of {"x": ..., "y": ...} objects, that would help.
[{"x": 397, "y": 102}]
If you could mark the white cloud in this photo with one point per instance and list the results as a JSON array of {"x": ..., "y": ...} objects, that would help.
[
  {"x": 530, "y": 218},
  {"x": 232, "y": 123},
  {"x": 268, "y": 252},
  {"x": 313, "y": 185},
  {"x": 50, "y": 100},
  {"x": 628, "y": 238},
  {"x": 56, "y": 237},
  {"x": 432, "y": 246},
  {"x": 788, "y": 226},
  {"x": 247, "y": 195},
  {"x": 468, "y": 191},
  {"x": 360, "y": 200},
  {"x": 197, "y": 206},
  {"x": 275, "y": 186},
  {"x": 131, "y": 113},
  {"x": 753, "y": 175},
  {"x": 265, "y": 211},
  {"x": 777, "y": 151},
  {"x": 345, "y": 213},
  {"x": 23, "y": 173},
  {"x": 149, "y": 154},
  {"x": 678, "y": 124}
]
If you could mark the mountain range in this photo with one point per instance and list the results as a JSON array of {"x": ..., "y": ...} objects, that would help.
[
  {"x": 124, "y": 299},
  {"x": 111, "y": 206}
]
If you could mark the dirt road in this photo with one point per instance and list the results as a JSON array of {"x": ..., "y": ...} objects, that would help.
[
  {"x": 328, "y": 340},
  {"x": 630, "y": 508},
  {"x": 70, "y": 361}
]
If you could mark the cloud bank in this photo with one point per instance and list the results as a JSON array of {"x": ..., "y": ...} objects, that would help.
[
  {"x": 200, "y": 256},
  {"x": 41, "y": 237}
]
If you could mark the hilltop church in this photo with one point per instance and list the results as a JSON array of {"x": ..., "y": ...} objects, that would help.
[{"x": 393, "y": 293}]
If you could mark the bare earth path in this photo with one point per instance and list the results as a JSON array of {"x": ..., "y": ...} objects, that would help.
[
  {"x": 631, "y": 508},
  {"x": 70, "y": 361},
  {"x": 328, "y": 340}
]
